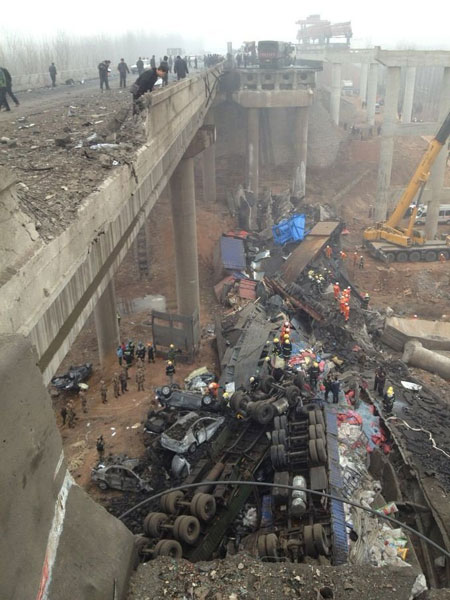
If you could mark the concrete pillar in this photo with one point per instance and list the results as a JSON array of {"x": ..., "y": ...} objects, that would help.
[
  {"x": 335, "y": 101},
  {"x": 253, "y": 150},
  {"x": 408, "y": 96},
  {"x": 372, "y": 84},
  {"x": 209, "y": 167},
  {"x": 105, "y": 315},
  {"x": 182, "y": 187},
  {"x": 363, "y": 81},
  {"x": 438, "y": 170},
  {"x": 387, "y": 142},
  {"x": 301, "y": 134}
]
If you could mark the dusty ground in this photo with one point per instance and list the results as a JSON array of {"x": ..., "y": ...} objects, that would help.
[{"x": 242, "y": 577}]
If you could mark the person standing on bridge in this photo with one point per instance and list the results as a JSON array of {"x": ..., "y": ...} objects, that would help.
[
  {"x": 153, "y": 62},
  {"x": 140, "y": 66},
  {"x": 145, "y": 83},
  {"x": 123, "y": 69},
  {"x": 180, "y": 68},
  {"x": 3, "y": 100},
  {"x": 103, "y": 391},
  {"x": 52, "y": 71},
  {"x": 103, "y": 70},
  {"x": 9, "y": 85},
  {"x": 170, "y": 371}
]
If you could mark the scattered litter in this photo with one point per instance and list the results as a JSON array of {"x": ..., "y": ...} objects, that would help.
[
  {"x": 135, "y": 426},
  {"x": 104, "y": 146},
  {"x": 113, "y": 433},
  {"x": 113, "y": 428}
]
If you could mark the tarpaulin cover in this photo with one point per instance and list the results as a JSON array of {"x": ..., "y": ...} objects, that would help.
[
  {"x": 232, "y": 253},
  {"x": 290, "y": 230}
]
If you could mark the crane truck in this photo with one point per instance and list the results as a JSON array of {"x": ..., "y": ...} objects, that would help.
[{"x": 388, "y": 240}]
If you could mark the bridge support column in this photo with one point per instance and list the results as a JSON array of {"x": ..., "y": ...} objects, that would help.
[
  {"x": 335, "y": 103},
  {"x": 372, "y": 93},
  {"x": 301, "y": 134},
  {"x": 408, "y": 96},
  {"x": 363, "y": 81},
  {"x": 253, "y": 150},
  {"x": 106, "y": 325},
  {"x": 209, "y": 168},
  {"x": 387, "y": 143},
  {"x": 438, "y": 170},
  {"x": 182, "y": 187}
]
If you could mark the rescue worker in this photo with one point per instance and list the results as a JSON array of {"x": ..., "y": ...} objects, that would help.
[
  {"x": 140, "y": 66},
  {"x": 380, "y": 380},
  {"x": 170, "y": 371},
  {"x": 103, "y": 391},
  {"x": 366, "y": 300},
  {"x": 226, "y": 397},
  {"x": 100, "y": 447},
  {"x": 327, "y": 383},
  {"x": 123, "y": 69},
  {"x": 314, "y": 373},
  {"x": 116, "y": 385},
  {"x": 140, "y": 351},
  {"x": 63, "y": 413},
  {"x": 128, "y": 356},
  {"x": 119, "y": 353},
  {"x": 328, "y": 252},
  {"x": 172, "y": 353},
  {"x": 343, "y": 255},
  {"x": 83, "y": 397},
  {"x": 123, "y": 381},
  {"x": 213, "y": 389},
  {"x": 286, "y": 348},
  {"x": 132, "y": 348},
  {"x": 52, "y": 72},
  {"x": 254, "y": 383},
  {"x": 346, "y": 311},
  {"x": 140, "y": 379},
  {"x": 139, "y": 363},
  {"x": 150, "y": 352},
  {"x": 286, "y": 328},
  {"x": 335, "y": 389},
  {"x": 70, "y": 414},
  {"x": 276, "y": 347},
  {"x": 442, "y": 257},
  {"x": 388, "y": 400},
  {"x": 361, "y": 262},
  {"x": 355, "y": 259},
  {"x": 342, "y": 303},
  {"x": 336, "y": 290}
]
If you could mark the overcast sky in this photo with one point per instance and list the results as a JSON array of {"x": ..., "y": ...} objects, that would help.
[{"x": 388, "y": 23}]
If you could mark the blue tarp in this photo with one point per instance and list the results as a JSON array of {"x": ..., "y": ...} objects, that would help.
[
  {"x": 290, "y": 230},
  {"x": 232, "y": 253}
]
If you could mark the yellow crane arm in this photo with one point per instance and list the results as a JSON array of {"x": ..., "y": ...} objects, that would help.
[{"x": 420, "y": 176}]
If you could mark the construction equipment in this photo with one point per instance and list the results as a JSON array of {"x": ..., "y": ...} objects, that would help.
[{"x": 403, "y": 244}]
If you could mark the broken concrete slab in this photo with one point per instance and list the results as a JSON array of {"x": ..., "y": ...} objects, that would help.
[{"x": 434, "y": 335}]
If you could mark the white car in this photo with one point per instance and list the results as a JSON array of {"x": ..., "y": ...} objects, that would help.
[{"x": 189, "y": 432}]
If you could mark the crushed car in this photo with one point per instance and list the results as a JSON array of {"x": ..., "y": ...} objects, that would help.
[
  {"x": 70, "y": 381},
  {"x": 120, "y": 476},
  {"x": 189, "y": 432},
  {"x": 174, "y": 397}
]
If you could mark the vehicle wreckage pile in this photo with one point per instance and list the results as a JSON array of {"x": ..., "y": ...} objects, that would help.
[{"x": 269, "y": 421}]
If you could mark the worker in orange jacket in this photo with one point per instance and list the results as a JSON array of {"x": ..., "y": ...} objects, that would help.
[
  {"x": 336, "y": 290},
  {"x": 342, "y": 303},
  {"x": 285, "y": 329},
  {"x": 343, "y": 255},
  {"x": 346, "y": 311},
  {"x": 328, "y": 252}
]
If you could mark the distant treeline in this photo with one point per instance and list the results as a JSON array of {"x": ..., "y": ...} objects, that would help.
[{"x": 26, "y": 55}]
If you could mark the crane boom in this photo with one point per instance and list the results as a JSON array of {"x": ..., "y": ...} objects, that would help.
[{"x": 421, "y": 174}]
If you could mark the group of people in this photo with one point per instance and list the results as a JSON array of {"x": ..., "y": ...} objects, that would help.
[{"x": 6, "y": 89}]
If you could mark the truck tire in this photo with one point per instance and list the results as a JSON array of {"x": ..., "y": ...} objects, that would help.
[
  {"x": 272, "y": 546},
  {"x": 203, "y": 506},
  {"x": 264, "y": 413},
  {"x": 169, "y": 502},
  {"x": 236, "y": 399},
  {"x": 189, "y": 529},
  {"x": 320, "y": 540},
  {"x": 402, "y": 257},
  {"x": 312, "y": 432},
  {"x": 170, "y": 548},
  {"x": 153, "y": 522},
  {"x": 261, "y": 544},
  {"x": 430, "y": 256},
  {"x": 319, "y": 418},
  {"x": 320, "y": 432},
  {"x": 321, "y": 451},
  {"x": 308, "y": 539},
  {"x": 140, "y": 544},
  {"x": 313, "y": 452},
  {"x": 292, "y": 394},
  {"x": 266, "y": 383},
  {"x": 415, "y": 256},
  {"x": 390, "y": 257}
]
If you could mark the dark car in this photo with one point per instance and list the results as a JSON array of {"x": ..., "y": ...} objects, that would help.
[
  {"x": 70, "y": 381},
  {"x": 174, "y": 397}
]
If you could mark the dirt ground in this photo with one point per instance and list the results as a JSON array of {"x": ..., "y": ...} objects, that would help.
[{"x": 243, "y": 577}]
